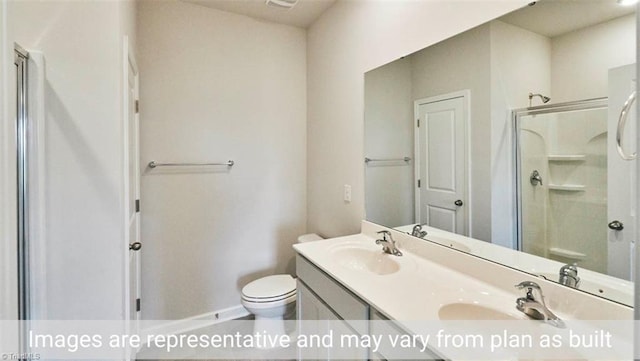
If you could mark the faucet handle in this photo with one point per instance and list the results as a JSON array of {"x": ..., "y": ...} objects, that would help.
[
  {"x": 385, "y": 233},
  {"x": 528, "y": 284}
]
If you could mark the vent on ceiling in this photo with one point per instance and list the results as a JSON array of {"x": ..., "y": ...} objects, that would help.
[{"x": 282, "y": 4}]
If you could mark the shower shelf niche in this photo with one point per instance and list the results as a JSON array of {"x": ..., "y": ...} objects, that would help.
[
  {"x": 567, "y": 187},
  {"x": 566, "y": 157}
]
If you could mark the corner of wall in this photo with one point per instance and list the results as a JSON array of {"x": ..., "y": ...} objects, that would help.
[{"x": 7, "y": 283}]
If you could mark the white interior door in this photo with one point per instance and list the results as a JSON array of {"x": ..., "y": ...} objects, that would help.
[
  {"x": 441, "y": 155},
  {"x": 133, "y": 188},
  {"x": 621, "y": 176}
]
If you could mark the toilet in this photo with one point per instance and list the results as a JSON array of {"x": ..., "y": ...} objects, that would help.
[{"x": 270, "y": 298}]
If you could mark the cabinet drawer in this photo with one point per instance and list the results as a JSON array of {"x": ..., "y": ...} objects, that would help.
[{"x": 344, "y": 303}]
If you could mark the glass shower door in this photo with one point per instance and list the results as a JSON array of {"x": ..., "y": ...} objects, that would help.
[{"x": 562, "y": 183}]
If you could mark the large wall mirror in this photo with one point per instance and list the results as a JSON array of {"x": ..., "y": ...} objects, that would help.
[{"x": 501, "y": 141}]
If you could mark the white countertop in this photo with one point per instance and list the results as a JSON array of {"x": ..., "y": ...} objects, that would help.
[
  {"x": 431, "y": 276},
  {"x": 422, "y": 285}
]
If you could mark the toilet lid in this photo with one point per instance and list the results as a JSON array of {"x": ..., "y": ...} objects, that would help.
[{"x": 270, "y": 287}]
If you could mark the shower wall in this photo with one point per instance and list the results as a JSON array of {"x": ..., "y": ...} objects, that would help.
[
  {"x": 534, "y": 199},
  {"x": 565, "y": 218}
]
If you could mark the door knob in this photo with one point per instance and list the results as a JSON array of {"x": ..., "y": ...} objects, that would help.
[
  {"x": 458, "y": 203},
  {"x": 135, "y": 246},
  {"x": 616, "y": 225}
]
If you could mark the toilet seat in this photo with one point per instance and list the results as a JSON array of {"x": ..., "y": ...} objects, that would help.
[
  {"x": 269, "y": 299},
  {"x": 266, "y": 305},
  {"x": 270, "y": 289}
]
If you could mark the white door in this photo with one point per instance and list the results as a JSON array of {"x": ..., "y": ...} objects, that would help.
[
  {"x": 133, "y": 188},
  {"x": 441, "y": 159},
  {"x": 621, "y": 176}
]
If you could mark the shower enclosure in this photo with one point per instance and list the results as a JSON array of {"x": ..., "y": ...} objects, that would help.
[
  {"x": 563, "y": 171},
  {"x": 22, "y": 196},
  {"x": 30, "y": 187}
]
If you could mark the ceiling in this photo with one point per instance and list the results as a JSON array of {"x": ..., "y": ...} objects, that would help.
[
  {"x": 302, "y": 15},
  {"x": 569, "y": 15}
]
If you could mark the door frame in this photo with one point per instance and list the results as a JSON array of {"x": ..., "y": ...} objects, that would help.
[
  {"x": 128, "y": 58},
  {"x": 466, "y": 96}
]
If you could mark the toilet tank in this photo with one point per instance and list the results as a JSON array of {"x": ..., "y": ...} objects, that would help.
[{"x": 309, "y": 237}]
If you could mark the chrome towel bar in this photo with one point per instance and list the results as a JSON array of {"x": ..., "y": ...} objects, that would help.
[
  {"x": 154, "y": 164},
  {"x": 367, "y": 160}
]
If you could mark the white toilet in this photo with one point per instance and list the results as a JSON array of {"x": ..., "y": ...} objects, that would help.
[{"x": 270, "y": 298}]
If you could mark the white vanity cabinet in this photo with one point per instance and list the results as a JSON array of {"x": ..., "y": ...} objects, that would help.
[{"x": 320, "y": 297}]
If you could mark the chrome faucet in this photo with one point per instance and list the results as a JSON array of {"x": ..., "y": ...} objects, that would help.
[
  {"x": 535, "y": 309},
  {"x": 418, "y": 232},
  {"x": 388, "y": 245},
  {"x": 569, "y": 275}
]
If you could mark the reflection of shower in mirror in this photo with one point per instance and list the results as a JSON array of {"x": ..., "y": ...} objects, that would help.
[
  {"x": 581, "y": 185},
  {"x": 545, "y": 99}
]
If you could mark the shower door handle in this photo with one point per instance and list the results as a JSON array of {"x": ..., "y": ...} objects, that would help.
[{"x": 624, "y": 114}]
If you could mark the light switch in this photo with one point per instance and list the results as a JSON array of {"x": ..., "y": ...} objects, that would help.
[{"x": 347, "y": 193}]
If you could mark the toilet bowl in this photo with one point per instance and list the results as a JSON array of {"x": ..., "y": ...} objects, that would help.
[{"x": 270, "y": 298}]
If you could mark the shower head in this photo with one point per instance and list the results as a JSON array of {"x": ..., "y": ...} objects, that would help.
[{"x": 545, "y": 99}]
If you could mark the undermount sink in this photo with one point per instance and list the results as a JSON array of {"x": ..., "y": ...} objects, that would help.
[
  {"x": 470, "y": 311},
  {"x": 365, "y": 260}
]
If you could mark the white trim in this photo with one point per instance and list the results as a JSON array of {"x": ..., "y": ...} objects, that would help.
[
  {"x": 128, "y": 59},
  {"x": 466, "y": 96},
  {"x": 204, "y": 320},
  {"x": 125, "y": 165}
]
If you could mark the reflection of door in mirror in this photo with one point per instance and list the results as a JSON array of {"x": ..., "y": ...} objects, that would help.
[{"x": 441, "y": 162}]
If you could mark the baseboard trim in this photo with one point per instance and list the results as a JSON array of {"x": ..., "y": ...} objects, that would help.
[{"x": 202, "y": 320}]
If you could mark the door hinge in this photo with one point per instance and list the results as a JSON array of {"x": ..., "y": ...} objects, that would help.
[
  {"x": 418, "y": 122},
  {"x": 137, "y": 206},
  {"x": 137, "y": 106},
  {"x": 137, "y": 305},
  {"x": 419, "y": 183}
]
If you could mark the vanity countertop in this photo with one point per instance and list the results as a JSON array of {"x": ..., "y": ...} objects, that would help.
[
  {"x": 422, "y": 285},
  {"x": 427, "y": 277}
]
